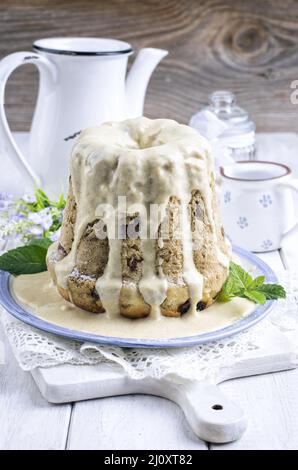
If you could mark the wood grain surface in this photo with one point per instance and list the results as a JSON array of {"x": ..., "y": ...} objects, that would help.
[
  {"x": 27, "y": 421},
  {"x": 248, "y": 46}
]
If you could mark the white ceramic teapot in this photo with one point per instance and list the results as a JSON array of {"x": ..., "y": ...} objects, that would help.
[{"x": 82, "y": 83}]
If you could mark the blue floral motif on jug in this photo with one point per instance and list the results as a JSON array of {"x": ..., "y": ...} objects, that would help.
[
  {"x": 242, "y": 222},
  {"x": 267, "y": 244},
  {"x": 227, "y": 197},
  {"x": 265, "y": 200}
]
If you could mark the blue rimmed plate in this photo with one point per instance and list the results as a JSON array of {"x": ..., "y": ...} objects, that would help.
[{"x": 247, "y": 260}]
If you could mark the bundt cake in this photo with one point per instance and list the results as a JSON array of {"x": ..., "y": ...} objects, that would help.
[{"x": 141, "y": 232}]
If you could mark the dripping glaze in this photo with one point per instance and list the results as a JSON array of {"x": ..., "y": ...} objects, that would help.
[{"x": 148, "y": 162}]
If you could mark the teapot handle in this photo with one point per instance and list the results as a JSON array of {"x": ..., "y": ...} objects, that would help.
[{"x": 7, "y": 66}]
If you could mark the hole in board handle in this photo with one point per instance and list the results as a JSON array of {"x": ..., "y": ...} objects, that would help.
[{"x": 217, "y": 407}]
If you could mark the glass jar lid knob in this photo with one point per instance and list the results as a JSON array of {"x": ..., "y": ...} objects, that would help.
[{"x": 222, "y": 100}]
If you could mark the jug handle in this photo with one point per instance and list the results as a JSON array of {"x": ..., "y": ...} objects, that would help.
[
  {"x": 293, "y": 185},
  {"x": 7, "y": 66}
]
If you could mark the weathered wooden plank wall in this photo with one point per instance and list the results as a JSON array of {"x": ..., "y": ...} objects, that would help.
[{"x": 249, "y": 46}]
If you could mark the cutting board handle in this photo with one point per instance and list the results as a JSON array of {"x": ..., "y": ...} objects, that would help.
[{"x": 211, "y": 415}]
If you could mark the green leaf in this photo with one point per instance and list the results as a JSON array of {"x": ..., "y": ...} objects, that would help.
[
  {"x": 27, "y": 259},
  {"x": 255, "y": 296},
  {"x": 228, "y": 290},
  {"x": 61, "y": 202},
  {"x": 224, "y": 296},
  {"x": 41, "y": 199},
  {"x": 241, "y": 284},
  {"x": 272, "y": 291},
  {"x": 258, "y": 281},
  {"x": 43, "y": 242},
  {"x": 241, "y": 278}
]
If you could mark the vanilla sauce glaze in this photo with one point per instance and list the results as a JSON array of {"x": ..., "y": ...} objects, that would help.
[
  {"x": 148, "y": 162},
  {"x": 38, "y": 294}
]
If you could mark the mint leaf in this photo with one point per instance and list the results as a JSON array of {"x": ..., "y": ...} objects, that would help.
[
  {"x": 27, "y": 259},
  {"x": 241, "y": 284},
  {"x": 241, "y": 278},
  {"x": 224, "y": 296},
  {"x": 228, "y": 290},
  {"x": 236, "y": 283},
  {"x": 272, "y": 291},
  {"x": 43, "y": 242},
  {"x": 255, "y": 296},
  {"x": 258, "y": 281}
]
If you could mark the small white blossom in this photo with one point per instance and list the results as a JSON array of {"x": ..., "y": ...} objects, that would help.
[
  {"x": 43, "y": 218},
  {"x": 5, "y": 201},
  {"x": 55, "y": 236},
  {"x": 36, "y": 231},
  {"x": 30, "y": 198}
]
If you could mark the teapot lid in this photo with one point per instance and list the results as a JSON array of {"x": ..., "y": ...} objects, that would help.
[{"x": 77, "y": 46}]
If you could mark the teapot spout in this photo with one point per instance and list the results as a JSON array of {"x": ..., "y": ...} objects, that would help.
[{"x": 138, "y": 78}]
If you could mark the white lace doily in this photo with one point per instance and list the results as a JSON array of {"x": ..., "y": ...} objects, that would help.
[{"x": 34, "y": 348}]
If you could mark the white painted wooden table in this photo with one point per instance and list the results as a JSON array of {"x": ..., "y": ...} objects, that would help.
[{"x": 145, "y": 422}]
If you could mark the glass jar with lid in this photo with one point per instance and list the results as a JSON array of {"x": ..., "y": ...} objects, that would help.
[{"x": 236, "y": 139}]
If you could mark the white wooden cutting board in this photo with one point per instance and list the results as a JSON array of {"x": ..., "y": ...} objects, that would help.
[{"x": 211, "y": 415}]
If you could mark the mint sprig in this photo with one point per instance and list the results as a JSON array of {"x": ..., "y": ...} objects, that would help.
[
  {"x": 27, "y": 259},
  {"x": 241, "y": 284}
]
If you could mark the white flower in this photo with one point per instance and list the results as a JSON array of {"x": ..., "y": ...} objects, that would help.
[
  {"x": 36, "y": 231},
  {"x": 55, "y": 236},
  {"x": 30, "y": 198},
  {"x": 5, "y": 200},
  {"x": 43, "y": 218}
]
